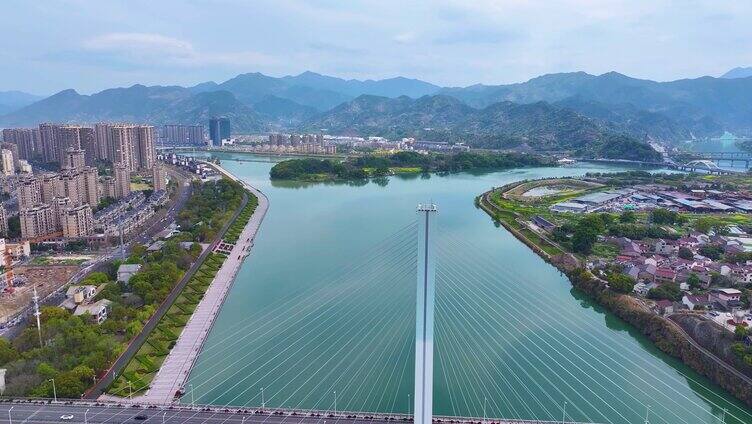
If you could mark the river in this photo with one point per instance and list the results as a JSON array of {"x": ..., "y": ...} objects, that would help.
[{"x": 324, "y": 304}]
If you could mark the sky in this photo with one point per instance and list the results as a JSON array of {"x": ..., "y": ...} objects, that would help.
[{"x": 50, "y": 45}]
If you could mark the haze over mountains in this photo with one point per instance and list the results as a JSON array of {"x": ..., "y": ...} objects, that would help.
[{"x": 561, "y": 110}]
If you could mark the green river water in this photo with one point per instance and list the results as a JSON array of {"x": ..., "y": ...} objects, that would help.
[{"x": 324, "y": 304}]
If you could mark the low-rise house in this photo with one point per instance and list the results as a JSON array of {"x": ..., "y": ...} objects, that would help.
[
  {"x": 568, "y": 207},
  {"x": 98, "y": 310},
  {"x": 543, "y": 223},
  {"x": 126, "y": 271},
  {"x": 666, "y": 275},
  {"x": 727, "y": 298},
  {"x": 665, "y": 247},
  {"x": 665, "y": 307},
  {"x": 694, "y": 302},
  {"x": 80, "y": 294},
  {"x": 642, "y": 288}
]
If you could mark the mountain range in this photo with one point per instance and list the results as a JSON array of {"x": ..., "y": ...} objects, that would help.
[
  {"x": 13, "y": 100},
  {"x": 739, "y": 72},
  {"x": 551, "y": 111}
]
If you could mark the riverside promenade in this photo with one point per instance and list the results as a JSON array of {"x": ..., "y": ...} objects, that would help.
[{"x": 176, "y": 368}]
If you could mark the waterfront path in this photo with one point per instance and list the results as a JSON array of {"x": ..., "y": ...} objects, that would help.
[{"x": 177, "y": 366}]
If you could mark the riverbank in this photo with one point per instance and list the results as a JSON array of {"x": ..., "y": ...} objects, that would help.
[
  {"x": 177, "y": 366},
  {"x": 665, "y": 334}
]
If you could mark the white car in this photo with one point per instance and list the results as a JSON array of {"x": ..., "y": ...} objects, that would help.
[{"x": 66, "y": 417}]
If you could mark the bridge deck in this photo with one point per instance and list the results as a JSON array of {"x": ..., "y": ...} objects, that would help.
[{"x": 45, "y": 412}]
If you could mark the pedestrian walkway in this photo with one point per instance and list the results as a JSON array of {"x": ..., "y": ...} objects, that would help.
[{"x": 176, "y": 368}]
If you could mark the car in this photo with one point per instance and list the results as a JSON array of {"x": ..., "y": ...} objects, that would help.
[
  {"x": 66, "y": 417},
  {"x": 140, "y": 417}
]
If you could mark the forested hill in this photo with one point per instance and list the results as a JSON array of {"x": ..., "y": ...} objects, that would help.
[{"x": 537, "y": 126}]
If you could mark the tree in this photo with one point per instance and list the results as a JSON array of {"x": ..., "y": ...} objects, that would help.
[
  {"x": 711, "y": 251},
  {"x": 664, "y": 216},
  {"x": 7, "y": 352},
  {"x": 686, "y": 253},
  {"x": 621, "y": 283},
  {"x": 627, "y": 217},
  {"x": 583, "y": 239},
  {"x": 694, "y": 281},
  {"x": 668, "y": 291},
  {"x": 740, "y": 332}
]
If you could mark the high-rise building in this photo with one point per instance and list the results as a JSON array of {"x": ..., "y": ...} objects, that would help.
[
  {"x": 122, "y": 180},
  {"x": 78, "y": 221},
  {"x": 6, "y": 157},
  {"x": 134, "y": 146},
  {"x": 183, "y": 135},
  {"x": 103, "y": 137},
  {"x": 71, "y": 186},
  {"x": 320, "y": 139},
  {"x": 74, "y": 159},
  {"x": 3, "y": 221},
  {"x": 59, "y": 205},
  {"x": 37, "y": 221},
  {"x": 50, "y": 149},
  {"x": 89, "y": 145},
  {"x": 51, "y": 187},
  {"x": 25, "y": 139},
  {"x": 108, "y": 187},
  {"x": 122, "y": 145},
  {"x": 69, "y": 138},
  {"x": 158, "y": 177},
  {"x": 90, "y": 178},
  {"x": 29, "y": 192},
  {"x": 219, "y": 129},
  {"x": 145, "y": 148}
]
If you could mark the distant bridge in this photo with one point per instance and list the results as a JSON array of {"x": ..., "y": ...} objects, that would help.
[{"x": 731, "y": 157}]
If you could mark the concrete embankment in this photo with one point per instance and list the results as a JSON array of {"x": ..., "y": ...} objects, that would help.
[
  {"x": 672, "y": 336},
  {"x": 176, "y": 368}
]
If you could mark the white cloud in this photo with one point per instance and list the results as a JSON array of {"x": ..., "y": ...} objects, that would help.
[{"x": 141, "y": 48}]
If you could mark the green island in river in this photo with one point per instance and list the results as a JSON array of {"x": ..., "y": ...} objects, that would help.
[{"x": 379, "y": 165}]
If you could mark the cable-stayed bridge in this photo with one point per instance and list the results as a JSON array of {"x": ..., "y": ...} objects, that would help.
[{"x": 345, "y": 341}]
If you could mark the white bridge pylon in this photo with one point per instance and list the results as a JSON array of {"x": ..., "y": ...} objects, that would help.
[{"x": 423, "y": 406}]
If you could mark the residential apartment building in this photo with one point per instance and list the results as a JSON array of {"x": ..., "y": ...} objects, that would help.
[
  {"x": 122, "y": 180},
  {"x": 37, "y": 221},
  {"x": 78, "y": 221},
  {"x": 6, "y": 157},
  {"x": 26, "y": 139},
  {"x": 158, "y": 178},
  {"x": 182, "y": 135},
  {"x": 29, "y": 192},
  {"x": 3, "y": 221}
]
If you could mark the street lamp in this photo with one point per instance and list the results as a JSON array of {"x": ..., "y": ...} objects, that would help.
[
  {"x": 163, "y": 417},
  {"x": 263, "y": 404},
  {"x": 335, "y": 402},
  {"x": 564, "y": 412},
  {"x": 647, "y": 413},
  {"x": 484, "y": 410},
  {"x": 86, "y": 421},
  {"x": 54, "y": 390},
  {"x": 10, "y": 420}
]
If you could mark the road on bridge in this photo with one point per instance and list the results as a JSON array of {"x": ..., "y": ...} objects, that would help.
[{"x": 48, "y": 413}]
